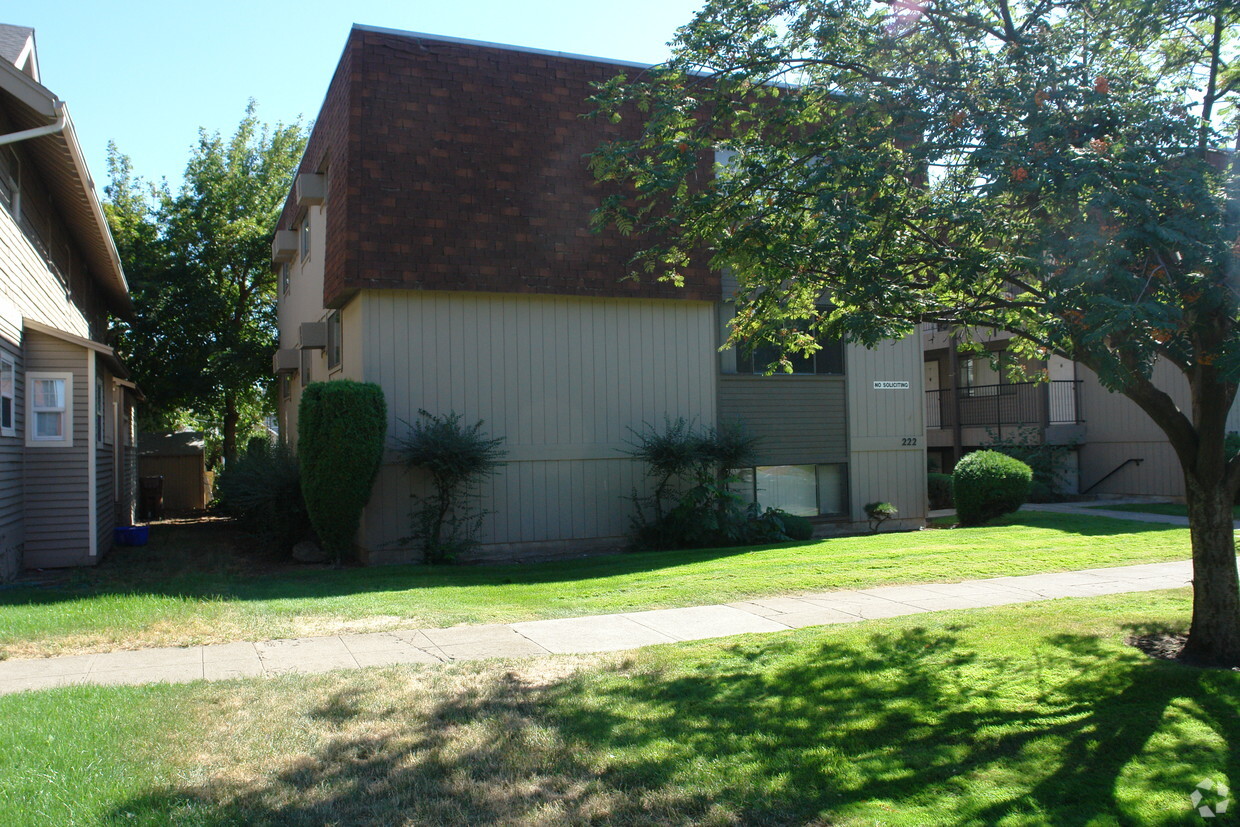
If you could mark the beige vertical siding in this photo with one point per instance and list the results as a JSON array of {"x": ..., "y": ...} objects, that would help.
[
  {"x": 800, "y": 420},
  {"x": 562, "y": 379},
  {"x": 882, "y": 467},
  {"x": 57, "y": 511},
  {"x": 1116, "y": 429}
]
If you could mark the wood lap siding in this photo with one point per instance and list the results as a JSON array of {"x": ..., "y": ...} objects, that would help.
[
  {"x": 56, "y": 484},
  {"x": 799, "y": 420},
  {"x": 11, "y": 452}
]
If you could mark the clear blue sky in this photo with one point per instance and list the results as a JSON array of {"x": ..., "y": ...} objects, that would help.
[{"x": 148, "y": 74}]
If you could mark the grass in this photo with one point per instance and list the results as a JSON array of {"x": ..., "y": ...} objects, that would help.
[
  {"x": 190, "y": 587},
  {"x": 1172, "y": 509},
  {"x": 1025, "y": 715}
]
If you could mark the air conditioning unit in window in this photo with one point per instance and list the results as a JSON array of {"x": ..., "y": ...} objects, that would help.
[
  {"x": 284, "y": 246},
  {"x": 313, "y": 335},
  {"x": 311, "y": 189},
  {"x": 285, "y": 360}
]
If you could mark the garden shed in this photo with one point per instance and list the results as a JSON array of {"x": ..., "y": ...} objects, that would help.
[{"x": 181, "y": 459}]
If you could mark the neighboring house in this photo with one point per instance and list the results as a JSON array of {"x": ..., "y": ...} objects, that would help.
[
  {"x": 67, "y": 462},
  {"x": 437, "y": 242},
  {"x": 179, "y": 459},
  {"x": 1115, "y": 448}
]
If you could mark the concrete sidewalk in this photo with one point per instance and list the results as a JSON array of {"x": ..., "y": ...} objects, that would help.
[{"x": 600, "y": 633}]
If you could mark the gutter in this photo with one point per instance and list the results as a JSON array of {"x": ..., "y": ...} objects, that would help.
[{"x": 58, "y": 106}]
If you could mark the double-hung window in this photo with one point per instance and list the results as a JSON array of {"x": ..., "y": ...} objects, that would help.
[
  {"x": 50, "y": 420},
  {"x": 8, "y": 396}
]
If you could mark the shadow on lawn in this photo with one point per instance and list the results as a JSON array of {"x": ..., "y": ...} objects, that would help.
[{"x": 769, "y": 733}]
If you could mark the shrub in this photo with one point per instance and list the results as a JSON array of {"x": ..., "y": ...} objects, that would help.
[
  {"x": 988, "y": 484},
  {"x": 940, "y": 489},
  {"x": 457, "y": 458},
  {"x": 261, "y": 488},
  {"x": 879, "y": 513},
  {"x": 693, "y": 503},
  {"x": 796, "y": 527},
  {"x": 341, "y": 427}
]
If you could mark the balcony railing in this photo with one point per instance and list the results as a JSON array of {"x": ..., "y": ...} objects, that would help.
[{"x": 1018, "y": 403}]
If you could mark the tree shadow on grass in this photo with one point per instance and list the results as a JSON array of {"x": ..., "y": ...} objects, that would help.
[{"x": 907, "y": 726}]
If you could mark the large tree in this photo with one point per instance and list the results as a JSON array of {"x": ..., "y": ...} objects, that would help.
[
  {"x": 1051, "y": 168},
  {"x": 199, "y": 266}
]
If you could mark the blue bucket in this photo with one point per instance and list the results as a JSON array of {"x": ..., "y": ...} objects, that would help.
[{"x": 131, "y": 535}]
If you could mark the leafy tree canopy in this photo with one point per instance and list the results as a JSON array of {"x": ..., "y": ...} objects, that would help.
[
  {"x": 199, "y": 267},
  {"x": 1051, "y": 168}
]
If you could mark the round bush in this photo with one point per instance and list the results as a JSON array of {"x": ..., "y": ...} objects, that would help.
[
  {"x": 796, "y": 527},
  {"x": 988, "y": 484}
]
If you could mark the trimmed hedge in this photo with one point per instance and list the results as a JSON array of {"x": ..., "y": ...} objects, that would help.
[
  {"x": 988, "y": 484},
  {"x": 797, "y": 527},
  {"x": 341, "y": 428},
  {"x": 940, "y": 488}
]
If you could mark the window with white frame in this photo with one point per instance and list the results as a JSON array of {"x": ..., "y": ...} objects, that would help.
[
  {"x": 101, "y": 419},
  {"x": 285, "y": 278},
  {"x": 49, "y": 418},
  {"x": 305, "y": 238},
  {"x": 333, "y": 340},
  {"x": 8, "y": 396}
]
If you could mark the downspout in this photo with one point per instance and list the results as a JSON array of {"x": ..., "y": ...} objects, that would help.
[{"x": 39, "y": 131}]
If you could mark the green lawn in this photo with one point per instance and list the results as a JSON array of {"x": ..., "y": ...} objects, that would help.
[
  {"x": 1034, "y": 714},
  {"x": 1173, "y": 509},
  {"x": 188, "y": 587}
]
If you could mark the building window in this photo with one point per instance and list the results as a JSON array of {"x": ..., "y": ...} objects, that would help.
[
  {"x": 10, "y": 175},
  {"x": 333, "y": 340},
  {"x": 307, "y": 366},
  {"x": 50, "y": 417},
  {"x": 305, "y": 238},
  {"x": 100, "y": 419},
  {"x": 827, "y": 361},
  {"x": 804, "y": 490},
  {"x": 285, "y": 278},
  {"x": 286, "y": 386},
  {"x": 8, "y": 396}
]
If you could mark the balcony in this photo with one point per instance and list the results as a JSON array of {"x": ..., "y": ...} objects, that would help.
[{"x": 1040, "y": 404}]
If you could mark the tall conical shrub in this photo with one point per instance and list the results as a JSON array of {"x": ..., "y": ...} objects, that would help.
[{"x": 340, "y": 432}]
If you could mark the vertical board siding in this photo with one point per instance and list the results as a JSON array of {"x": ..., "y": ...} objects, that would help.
[
  {"x": 562, "y": 379},
  {"x": 11, "y": 462},
  {"x": 57, "y": 513},
  {"x": 1116, "y": 429},
  {"x": 881, "y": 466}
]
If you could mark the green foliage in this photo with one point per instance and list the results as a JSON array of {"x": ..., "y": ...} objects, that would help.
[
  {"x": 693, "y": 502},
  {"x": 199, "y": 268},
  {"x": 262, "y": 489},
  {"x": 796, "y": 527},
  {"x": 457, "y": 458},
  {"x": 1045, "y": 460},
  {"x": 940, "y": 488},
  {"x": 341, "y": 429},
  {"x": 879, "y": 513},
  {"x": 988, "y": 484}
]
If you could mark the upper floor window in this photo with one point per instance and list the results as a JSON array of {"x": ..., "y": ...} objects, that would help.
[
  {"x": 304, "y": 232},
  {"x": 8, "y": 396},
  {"x": 333, "y": 340},
  {"x": 50, "y": 416},
  {"x": 10, "y": 175},
  {"x": 827, "y": 360},
  {"x": 285, "y": 278}
]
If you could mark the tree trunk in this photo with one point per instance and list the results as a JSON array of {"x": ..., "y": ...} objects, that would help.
[
  {"x": 1214, "y": 638},
  {"x": 230, "y": 429}
]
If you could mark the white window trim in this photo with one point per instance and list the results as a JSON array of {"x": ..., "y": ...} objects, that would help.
[
  {"x": 65, "y": 441},
  {"x": 7, "y": 361}
]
